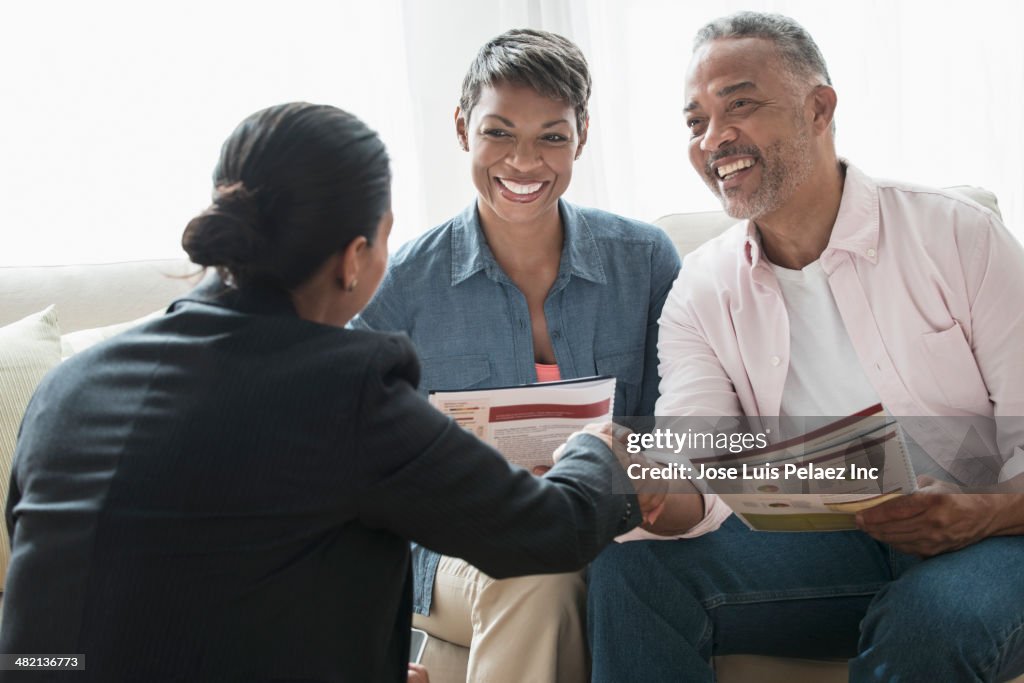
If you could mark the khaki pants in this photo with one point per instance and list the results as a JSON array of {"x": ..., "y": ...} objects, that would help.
[{"x": 530, "y": 628}]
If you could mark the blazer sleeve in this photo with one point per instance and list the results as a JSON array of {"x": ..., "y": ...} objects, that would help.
[{"x": 434, "y": 483}]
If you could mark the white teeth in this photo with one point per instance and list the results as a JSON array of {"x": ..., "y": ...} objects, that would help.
[
  {"x": 519, "y": 188},
  {"x": 729, "y": 169}
]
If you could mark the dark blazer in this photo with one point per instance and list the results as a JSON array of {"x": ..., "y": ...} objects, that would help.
[{"x": 226, "y": 493}]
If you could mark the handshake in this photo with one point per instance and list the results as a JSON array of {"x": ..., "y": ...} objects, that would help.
[{"x": 652, "y": 494}]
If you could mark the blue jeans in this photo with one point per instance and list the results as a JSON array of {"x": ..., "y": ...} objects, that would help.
[{"x": 659, "y": 610}]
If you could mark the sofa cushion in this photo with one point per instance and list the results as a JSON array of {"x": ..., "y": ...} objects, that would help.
[
  {"x": 94, "y": 295},
  {"x": 76, "y": 342},
  {"x": 690, "y": 230},
  {"x": 29, "y": 348}
]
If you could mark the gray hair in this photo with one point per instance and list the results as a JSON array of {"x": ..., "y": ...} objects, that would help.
[
  {"x": 797, "y": 49},
  {"x": 550, "y": 64}
]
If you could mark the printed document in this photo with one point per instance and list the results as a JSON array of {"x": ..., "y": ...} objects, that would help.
[
  {"x": 814, "y": 482},
  {"x": 527, "y": 423}
]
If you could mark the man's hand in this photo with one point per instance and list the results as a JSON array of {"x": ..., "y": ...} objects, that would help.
[
  {"x": 935, "y": 519},
  {"x": 417, "y": 674},
  {"x": 650, "y": 493},
  {"x": 680, "y": 513}
]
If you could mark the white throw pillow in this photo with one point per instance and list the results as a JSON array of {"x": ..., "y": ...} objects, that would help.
[
  {"x": 29, "y": 348},
  {"x": 76, "y": 342}
]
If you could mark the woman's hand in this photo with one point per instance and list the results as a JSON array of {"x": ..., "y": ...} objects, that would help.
[{"x": 417, "y": 674}]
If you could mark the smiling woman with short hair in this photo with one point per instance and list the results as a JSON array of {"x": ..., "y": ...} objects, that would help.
[{"x": 523, "y": 287}]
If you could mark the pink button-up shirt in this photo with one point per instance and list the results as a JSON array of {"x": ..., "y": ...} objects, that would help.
[{"x": 930, "y": 287}]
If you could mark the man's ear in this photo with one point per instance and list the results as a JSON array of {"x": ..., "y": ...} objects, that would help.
[
  {"x": 583, "y": 136},
  {"x": 460, "y": 129},
  {"x": 346, "y": 268},
  {"x": 823, "y": 105}
]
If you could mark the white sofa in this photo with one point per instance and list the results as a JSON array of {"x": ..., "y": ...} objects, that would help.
[{"x": 95, "y": 301}]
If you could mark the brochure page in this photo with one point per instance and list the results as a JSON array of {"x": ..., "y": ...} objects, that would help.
[{"x": 527, "y": 423}]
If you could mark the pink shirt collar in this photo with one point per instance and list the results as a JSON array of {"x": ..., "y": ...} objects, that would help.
[{"x": 856, "y": 228}]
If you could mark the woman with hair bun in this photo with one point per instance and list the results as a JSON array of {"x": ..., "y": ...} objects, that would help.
[{"x": 227, "y": 493}]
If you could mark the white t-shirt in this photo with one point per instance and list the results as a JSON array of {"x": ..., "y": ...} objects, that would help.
[{"x": 825, "y": 377}]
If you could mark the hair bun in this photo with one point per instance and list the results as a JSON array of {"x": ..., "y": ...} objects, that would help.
[
  {"x": 294, "y": 184},
  {"x": 227, "y": 234}
]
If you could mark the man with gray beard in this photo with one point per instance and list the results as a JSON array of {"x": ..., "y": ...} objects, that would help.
[{"x": 836, "y": 292}]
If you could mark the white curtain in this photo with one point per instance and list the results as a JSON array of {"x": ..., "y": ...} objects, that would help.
[{"x": 113, "y": 112}]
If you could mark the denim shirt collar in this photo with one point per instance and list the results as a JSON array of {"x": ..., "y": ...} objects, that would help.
[{"x": 471, "y": 253}]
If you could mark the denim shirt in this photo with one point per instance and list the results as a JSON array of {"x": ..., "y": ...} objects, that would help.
[{"x": 471, "y": 326}]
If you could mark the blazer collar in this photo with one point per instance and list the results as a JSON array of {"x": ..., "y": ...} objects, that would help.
[{"x": 254, "y": 299}]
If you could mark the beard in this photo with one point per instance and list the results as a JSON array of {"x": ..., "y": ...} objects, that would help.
[{"x": 785, "y": 166}]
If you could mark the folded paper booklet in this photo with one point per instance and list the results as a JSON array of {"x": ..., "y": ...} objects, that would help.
[
  {"x": 527, "y": 423},
  {"x": 816, "y": 481}
]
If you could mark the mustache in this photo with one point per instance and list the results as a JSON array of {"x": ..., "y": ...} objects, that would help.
[{"x": 744, "y": 150}]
